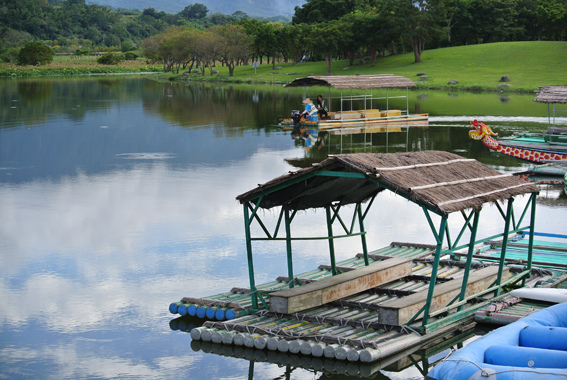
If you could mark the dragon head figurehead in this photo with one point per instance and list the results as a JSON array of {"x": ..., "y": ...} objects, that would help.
[{"x": 480, "y": 130}]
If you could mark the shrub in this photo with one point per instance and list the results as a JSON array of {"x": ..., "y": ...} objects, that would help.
[
  {"x": 80, "y": 53},
  {"x": 129, "y": 56},
  {"x": 10, "y": 55},
  {"x": 35, "y": 53},
  {"x": 109, "y": 59}
]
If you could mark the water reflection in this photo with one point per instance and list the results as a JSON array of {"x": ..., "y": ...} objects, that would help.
[
  {"x": 413, "y": 363},
  {"x": 117, "y": 198}
]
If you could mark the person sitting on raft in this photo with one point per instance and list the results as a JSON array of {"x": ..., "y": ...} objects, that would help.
[
  {"x": 310, "y": 112},
  {"x": 322, "y": 108}
]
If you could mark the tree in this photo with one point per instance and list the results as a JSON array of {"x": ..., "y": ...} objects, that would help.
[
  {"x": 330, "y": 44},
  {"x": 419, "y": 21},
  {"x": 253, "y": 28},
  {"x": 194, "y": 11},
  {"x": 234, "y": 45},
  {"x": 320, "y": 11},
  {"x": 207, "y": 50},
  {"x": 35, "y": 53}
]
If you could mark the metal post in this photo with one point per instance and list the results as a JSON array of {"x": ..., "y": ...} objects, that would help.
[
  {"x": 504, "y": 244},
  {"x": 288, "y": 246},
  {"x": 365, "y": 96},
  {"x": 407, "y": 100},
  {"x": 387, "y": 103},
  {"x": 331, "y": 242},
  {"x": 251, "y": 370},
  {"x": 438, "y": 248},
  {"x": 532, "y": 228},
  {"x": 362, "y": 233},
  {"x": 341, "y": 103},
  {"x": 469, "y": 257},
  {"x": 247, "y": 222}
]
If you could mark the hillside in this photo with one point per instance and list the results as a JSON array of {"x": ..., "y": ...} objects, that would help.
[{"x": 251, "y": 7}]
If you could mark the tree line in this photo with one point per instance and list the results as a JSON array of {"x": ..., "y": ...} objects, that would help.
[
  {"x": 320, "y": 29},
  {"x": 68, "y": 25},
  {"x": 329, "y": 29}
]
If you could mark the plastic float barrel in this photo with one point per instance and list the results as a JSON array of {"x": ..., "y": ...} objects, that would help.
[
  {"x": 249, "y": 340},
  {"x": 272, "y": 343},
  {"x": 283, "y": 345},
  {"x": 201, "y": 311},
  {"x": 210, "y": 312},
  {"x": 306, "y": 347},
  {"x": 368, "y": 355},
  {"x": 516, "y": 356},
  {"x": 230, "y": 314},
  {"x": 196, "y": 333},
  {"x": 181, "y": 309},
  {"x": 353, "y": 355},
  {"x": 206, "y": 335},
  {"x": 192, "y": 310},
  {"x": 295, "y": 346},
  {"x": 227, "y": 336},
  {"x": 216, "y": 337},
  {"x": 329, "y": 350},
  {"x": 260, "y": 342},
  {"x": 173, "y": 307},
  {"x": 553, "y": 338},
  {"x": 341, "y": 352},
  {"x": 238, "y": 339},
  {"x": 220, "y": 314},
  {"x": 317, "y": 349}
]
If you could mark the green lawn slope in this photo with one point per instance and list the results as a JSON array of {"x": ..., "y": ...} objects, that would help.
[{"x": 476, "y": 67}]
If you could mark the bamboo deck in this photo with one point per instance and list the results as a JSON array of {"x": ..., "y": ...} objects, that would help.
[
  {"x": 236, "y": 302},
  {"x": 509, "y": 310},
  {"x": 346, "y": 329}
]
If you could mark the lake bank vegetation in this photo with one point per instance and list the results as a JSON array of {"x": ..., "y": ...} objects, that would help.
[{"x": 465, "y": 42}]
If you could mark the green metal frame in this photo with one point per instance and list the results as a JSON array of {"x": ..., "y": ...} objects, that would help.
[
  {"x": 442, "y": 234},
  {"x": 287, "y": 215},
  {"x": 460, "y": 300}
]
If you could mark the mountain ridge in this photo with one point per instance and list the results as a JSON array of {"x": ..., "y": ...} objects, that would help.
[{"x": 250, "y": 7}]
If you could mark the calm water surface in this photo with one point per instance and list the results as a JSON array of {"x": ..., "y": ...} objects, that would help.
[{"x": 117, "y": 197}]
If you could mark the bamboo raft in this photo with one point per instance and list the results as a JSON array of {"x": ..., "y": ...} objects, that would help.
[
  {"x": 380, "y": 303},
  {"x": 349, "y": 329}
]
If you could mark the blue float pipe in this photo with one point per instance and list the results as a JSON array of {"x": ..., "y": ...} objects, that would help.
[
  {"x": 182, "y": 309},
  {"x": 201, "y": 312}
]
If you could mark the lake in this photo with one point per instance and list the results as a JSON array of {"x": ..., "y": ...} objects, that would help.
[{"x": 117, "y": 197}]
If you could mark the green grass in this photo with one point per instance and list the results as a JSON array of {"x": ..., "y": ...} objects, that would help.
[{"x": 476, "y": 67}]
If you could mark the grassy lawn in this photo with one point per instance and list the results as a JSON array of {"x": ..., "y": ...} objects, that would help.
[{"x": 476, "y": 67}]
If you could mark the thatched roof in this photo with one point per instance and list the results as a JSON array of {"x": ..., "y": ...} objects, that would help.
[
  {"x": 362, "y": 82},
  {"x": 552, "y": 94},
  {"x": 441, "y": 181}
]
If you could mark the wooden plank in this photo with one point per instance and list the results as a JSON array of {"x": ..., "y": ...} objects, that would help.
[
  {"x": 333, "y": 288},
  {"x": 398, "y": 312}
]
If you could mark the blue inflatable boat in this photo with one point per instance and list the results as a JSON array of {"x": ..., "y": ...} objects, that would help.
[{"x": 535, "y": 347}]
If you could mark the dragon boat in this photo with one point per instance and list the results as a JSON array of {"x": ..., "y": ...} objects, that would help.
[
  {"x": 362, "y": 113},
  {"x": 540, "y": 148},
  {"x": 534, "y": 151}
]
